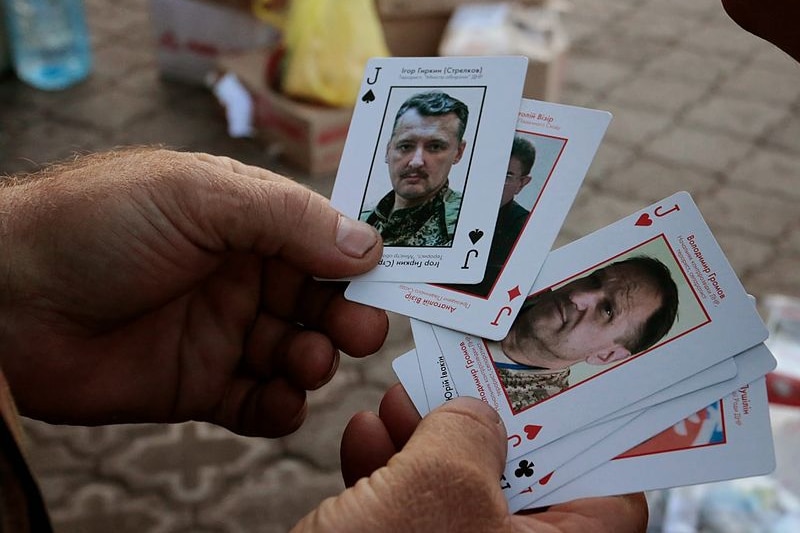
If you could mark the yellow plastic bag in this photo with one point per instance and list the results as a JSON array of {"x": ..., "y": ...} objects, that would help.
[{"x": 328, "y": 43}]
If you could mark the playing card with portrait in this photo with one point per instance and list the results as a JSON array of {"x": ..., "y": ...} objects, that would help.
[
  {"x": 737, "y": 426},
  {"x": 612, "y": 318},
  {"x": 712, "y": 375},
  {"x": 730, "y": 437},
  {"x": 552, "y": 149},
  {"x": 426, "y": 379},
  {"x": 425, "y": 160},
  {"x": 726, "y": 440},
  {"x": 751, "y": 365},
  {"x": 428, "y": 376}
]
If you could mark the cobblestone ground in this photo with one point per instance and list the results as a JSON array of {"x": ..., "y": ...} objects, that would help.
[{"x": 699, "y": 105}]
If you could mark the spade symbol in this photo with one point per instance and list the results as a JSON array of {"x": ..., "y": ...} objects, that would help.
[
  {"x": 475, "y": 235},
  {"x": 368, "y": 97}
]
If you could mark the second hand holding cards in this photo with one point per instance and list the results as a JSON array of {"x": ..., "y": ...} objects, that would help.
[{"x": 424, "y": 162}]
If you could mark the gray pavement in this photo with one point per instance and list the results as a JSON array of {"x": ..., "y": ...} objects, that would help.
[{"x": 699, "y": 105}]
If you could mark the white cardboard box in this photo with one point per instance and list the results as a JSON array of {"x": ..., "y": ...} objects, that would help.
[{"x": 508, "y": 28}]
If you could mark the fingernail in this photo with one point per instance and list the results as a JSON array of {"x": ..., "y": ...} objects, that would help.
[
  {"x": 497, "y": 419},
  {"x": 494, "y": 416},
  {"x": 355, "y": 238}
]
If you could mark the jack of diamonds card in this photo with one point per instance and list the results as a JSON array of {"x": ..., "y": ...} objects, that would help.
[
  {"x": 425, "y": 159},
  {"x": 552, "y": 149},
  {"x": 612, "y": 318}
]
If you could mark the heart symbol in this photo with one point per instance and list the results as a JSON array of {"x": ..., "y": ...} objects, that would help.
[
  {"x": 531, "y": 431},
  {"x": 368, "y": 97},
  {"x": 644, "y": 220},
  {"x": 475, "y": 235},
  {"x": 546, "y": 479}
]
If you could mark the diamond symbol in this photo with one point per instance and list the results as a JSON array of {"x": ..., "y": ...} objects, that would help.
[{"x": 513, "y": 293}]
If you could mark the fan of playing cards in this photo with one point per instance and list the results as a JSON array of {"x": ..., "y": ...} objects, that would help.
[{"x": 631, "y": 359}]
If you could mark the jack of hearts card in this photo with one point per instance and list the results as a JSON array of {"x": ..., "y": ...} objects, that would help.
[{"x": 612, "y": 318}]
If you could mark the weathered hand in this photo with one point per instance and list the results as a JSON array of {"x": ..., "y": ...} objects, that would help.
[
  {"x": 441, "y": 474},
  {"x": 150, "y": 285}
]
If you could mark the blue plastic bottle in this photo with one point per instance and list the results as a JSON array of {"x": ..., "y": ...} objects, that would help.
[{"x": 49, "y": 42}]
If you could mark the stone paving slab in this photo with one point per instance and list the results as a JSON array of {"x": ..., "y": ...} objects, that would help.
[{"x": 699, "y": 104}]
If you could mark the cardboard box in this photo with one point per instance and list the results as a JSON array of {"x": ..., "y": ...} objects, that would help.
[
  {"x": 307, "y": 136},
  {"x": 417, "y": 8},
  {"x": 417, "y": 27},
  {"x": 191, "y": 34},
  {"x": 507, "y": 28},
  {"x": 414, "y": 28},
  {"x": 241, "y": 5},
  {"x": 414, "y": 37},
  {"x": 545, "y": 79}
]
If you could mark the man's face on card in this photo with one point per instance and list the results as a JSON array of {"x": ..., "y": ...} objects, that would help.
[
  {"x": 589, "y": 319},
  {"x": 420, "y": 153},
  {"x": 515, "y": 181}
]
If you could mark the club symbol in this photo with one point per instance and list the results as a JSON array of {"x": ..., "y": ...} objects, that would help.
[
  {"x": 475, "y": 235},
  {"x": 525, "y": 469},
  {"x": 368, "y": 97}
]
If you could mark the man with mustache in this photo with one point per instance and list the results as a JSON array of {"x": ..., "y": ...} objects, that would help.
[
  {"x": 616, "y": 311},
  {"x": 426, "y": 141}
]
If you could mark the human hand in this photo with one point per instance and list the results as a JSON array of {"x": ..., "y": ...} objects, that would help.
[
  {"x": 442, "y": 474},
  {"x": 773, "y": 20},
  {"x": 150, "y": 285}
]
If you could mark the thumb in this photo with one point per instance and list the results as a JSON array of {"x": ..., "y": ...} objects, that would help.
[
  {"x": 445, "y": 478},
  {"x": 276, "y": 216}
]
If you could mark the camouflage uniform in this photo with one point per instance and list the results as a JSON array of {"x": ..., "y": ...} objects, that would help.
[
  {"x": 430, "y": 224},
  {"x": 527, "y": 387}
]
